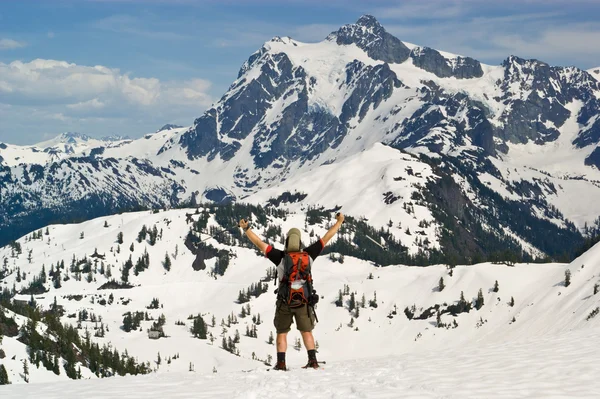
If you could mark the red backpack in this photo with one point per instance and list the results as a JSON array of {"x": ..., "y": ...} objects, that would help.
[{"x": 295, "y": 286}]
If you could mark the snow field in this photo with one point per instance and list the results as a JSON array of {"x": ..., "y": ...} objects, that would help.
[{"x": 544, "y": 308}]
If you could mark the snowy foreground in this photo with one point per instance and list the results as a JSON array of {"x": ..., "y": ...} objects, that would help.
[
  {"x": 550, "y": 367},
  {"x": 534, "y": 337}
]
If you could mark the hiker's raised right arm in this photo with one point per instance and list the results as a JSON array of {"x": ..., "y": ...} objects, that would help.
[
  {"x": 333, "y": 229},
  {"x": 244, "y": 225}
]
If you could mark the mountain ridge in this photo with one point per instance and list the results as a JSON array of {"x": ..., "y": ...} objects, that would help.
[{"x": 296, "y": 107}]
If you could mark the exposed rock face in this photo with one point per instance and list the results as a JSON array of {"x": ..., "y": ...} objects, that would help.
[
  {"x": 538, "y": 95},
  {"x": 368, "y": 34},
  {"x": 301, "y": 131},
  {"x": 594, "y": 158},
  {"x": 169, "y": 126},
  {"x": 432, "y": 61}
]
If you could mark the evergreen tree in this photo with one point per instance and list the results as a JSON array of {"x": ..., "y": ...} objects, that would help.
[
  {"x": 271, "y": 340},
  {"x": 167, "y": 262},
  {"x": 373, "y": 302},
  {"x": 567, "y": 278},
  {"x": 479, "y": 300},
  {"x": 496, "y": 287},
  {"x": 199, "y": 329},
  {"x": 441, "y": 285},
  {"x": 463, "y": 305},
  {"x": 3, "y": 376},
  {"x": 512, "y": 302},
  {"x": 153, "y": 235},
  {"x": 55, "y": 367},
  {"x": 596, "y": 287},
  {"x": 352, "y": 302},
  {"x": 57, "y": 279},
  {"x": 127, "y": 322},
  {"x": 25, "y": 370},
  {"x": 125, "y": 272},
  {"x": 340, "y": 301},
  {"x": 142, "y": 234}
]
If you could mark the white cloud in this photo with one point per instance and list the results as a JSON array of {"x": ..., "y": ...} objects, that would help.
[
  {"x": 9, "y": 44},
  {"x": 62, "y": 96},
  {"x": 188, "y": 92},
  {"x": 92, "y": 87}
]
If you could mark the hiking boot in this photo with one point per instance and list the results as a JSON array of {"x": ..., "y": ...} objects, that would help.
[
  {"x": 280, "y": 366},
  {"x": 312, "y": 364}
]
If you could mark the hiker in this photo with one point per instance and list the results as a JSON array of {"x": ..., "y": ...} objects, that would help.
[{"x": 301, "y": 306}]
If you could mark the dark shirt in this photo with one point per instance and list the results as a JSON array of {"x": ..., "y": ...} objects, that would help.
[{"x": 275, "y": 255}]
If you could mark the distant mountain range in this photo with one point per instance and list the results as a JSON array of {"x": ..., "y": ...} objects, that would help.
[{"x": 511, "y": 151}]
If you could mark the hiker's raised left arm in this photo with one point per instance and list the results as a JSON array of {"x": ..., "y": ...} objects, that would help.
[
  {"x": 260, "y": 244},
  {"x": 333, "y": 229}
]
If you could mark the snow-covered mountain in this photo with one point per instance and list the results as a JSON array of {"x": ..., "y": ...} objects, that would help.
[
  {"x": 510, "y": 142},
  {"x": 169, "y": 126},
  {"x": 63, "y": 146},
  {"x": 518, "y": 308}
]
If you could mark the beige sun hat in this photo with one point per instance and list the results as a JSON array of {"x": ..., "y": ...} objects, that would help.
[{"x": 293, "y": 240}]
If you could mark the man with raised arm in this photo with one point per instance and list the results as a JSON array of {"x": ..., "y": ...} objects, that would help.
[{"x": 296, "y": 297}]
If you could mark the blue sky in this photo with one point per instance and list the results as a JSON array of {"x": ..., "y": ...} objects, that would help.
[{"x": 127, "y": 67}]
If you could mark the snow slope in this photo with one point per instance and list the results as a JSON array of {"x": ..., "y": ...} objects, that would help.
[
  {"x": 568, "y": 184},
  {"x": 63, "y": 146},
  {"x": 374, "y": 184},
  {"x": 545, "y": 314},
  {"x": 551, "y": 367}
]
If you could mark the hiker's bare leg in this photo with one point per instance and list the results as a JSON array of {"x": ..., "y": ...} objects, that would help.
[
  {"x": 282, "y": 342},
  {"x": 309, "y": 340}
]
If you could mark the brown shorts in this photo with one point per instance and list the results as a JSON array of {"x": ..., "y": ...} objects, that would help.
[{"x": 304, "y": 315}]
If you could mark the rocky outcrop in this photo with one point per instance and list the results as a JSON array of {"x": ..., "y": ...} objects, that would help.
[
  {"x": 433, "y": 61},
  {"x": 537, "y": 96},
  {"x": 594, "y": 158},
  {"x": 368, "y": 34}
]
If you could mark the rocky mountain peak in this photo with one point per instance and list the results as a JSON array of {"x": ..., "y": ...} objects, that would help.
[
  {"x": 369, "y": 21},
  {"x": 369, "y": 35},
  {"x": 169, "y": 126},
  {"x": 71, "y": 137}
]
